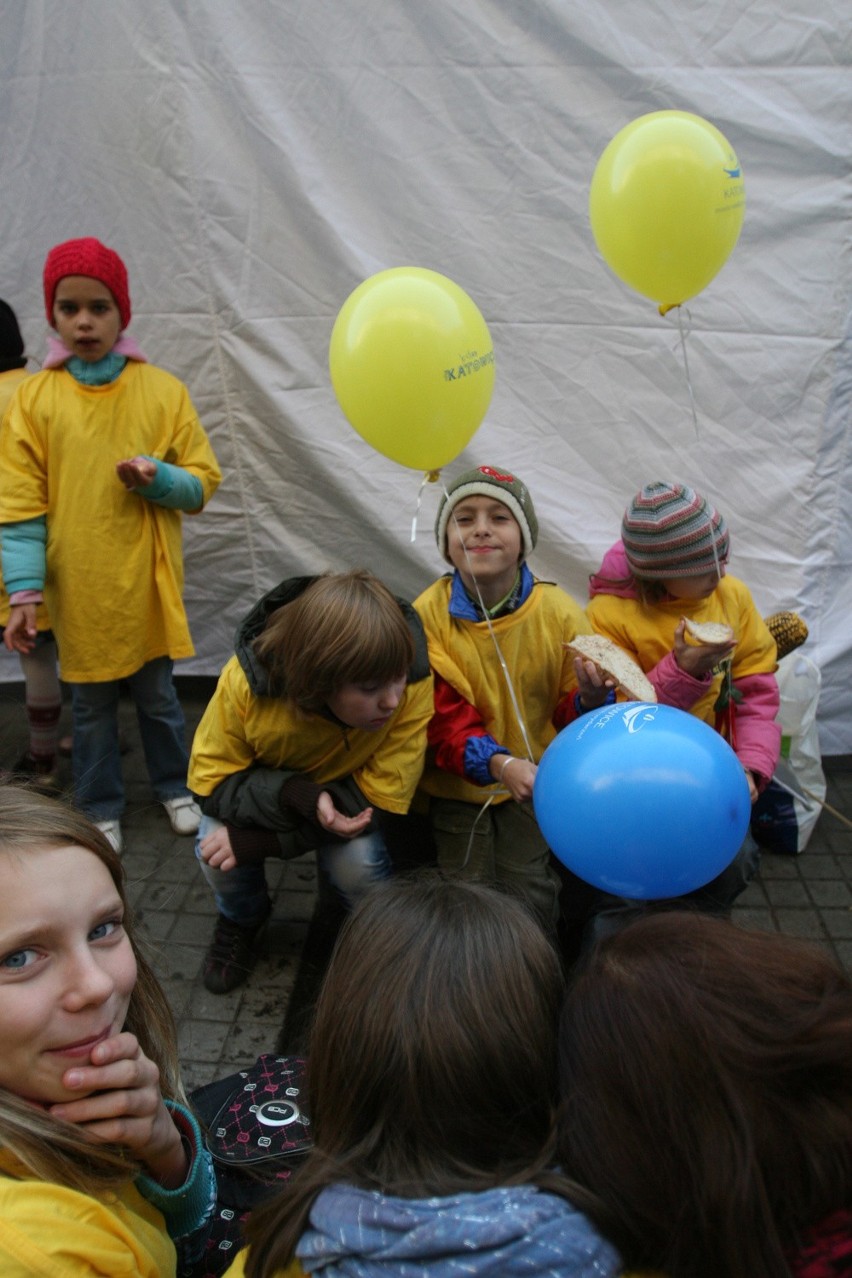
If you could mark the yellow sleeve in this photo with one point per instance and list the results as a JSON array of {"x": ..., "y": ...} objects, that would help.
[
  {"x": 220, "y": 747},
  {"x": 23, "y": 462},
  {"x": 191, "y": 449},
  {"x": 389, "y": 777}
]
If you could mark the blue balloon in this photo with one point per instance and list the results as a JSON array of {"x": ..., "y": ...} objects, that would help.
[{"x": 642, "y": 800}]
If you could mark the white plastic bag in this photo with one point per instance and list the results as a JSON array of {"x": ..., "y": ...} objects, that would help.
[{"x": 786, "y": 813}]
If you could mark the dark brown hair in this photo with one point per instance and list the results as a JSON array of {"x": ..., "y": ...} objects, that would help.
[
  {"x": 54, "y": 1150},
  {"x": 706, "y": 1075},
  {"x": 344, "y": 628},
  {"x": 432, "y": 1063}
]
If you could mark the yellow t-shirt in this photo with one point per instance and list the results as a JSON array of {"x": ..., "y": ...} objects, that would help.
[
  {"x": 9, "y": 383},
  {"x": 49, "y": 1231},
  {"x": 114, "y": 580},
  {"x": 646, "y": 631},
  {"x": 542, "y": 672},
  {"x": 239, "y": 729}
]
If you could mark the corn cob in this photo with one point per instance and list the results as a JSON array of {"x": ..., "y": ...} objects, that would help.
[{"x": 788, "y": 630}]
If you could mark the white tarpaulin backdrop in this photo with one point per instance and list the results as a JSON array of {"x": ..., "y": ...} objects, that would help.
[{"x": 253, "y": 162}]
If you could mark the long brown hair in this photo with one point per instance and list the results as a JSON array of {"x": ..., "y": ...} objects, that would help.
[
  {"x": 706, "y": 1075},
  {"x": 344, "y": 628},
  {"x": 54, "y": 1150},
  {"x": 432, "y": 1062}
]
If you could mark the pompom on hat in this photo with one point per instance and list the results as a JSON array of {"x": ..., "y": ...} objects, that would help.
[
  {"x": 670, "y": 530},
  {"x": 489, "y": 481},
  {"x": 87, "y": 257}
]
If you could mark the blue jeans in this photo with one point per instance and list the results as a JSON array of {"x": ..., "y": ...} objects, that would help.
[
  {"x": 98, "y": 784},
  {"x": 243, "y": 897}
]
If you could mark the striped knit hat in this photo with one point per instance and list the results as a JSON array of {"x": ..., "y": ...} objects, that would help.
[
  {"x": 670, "y": 530},
  {"x": 489, "y": 481},
  {"x": 87, "y": 257}
]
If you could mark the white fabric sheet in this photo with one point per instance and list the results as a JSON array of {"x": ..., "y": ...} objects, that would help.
[{"x": 254, "y": 162}]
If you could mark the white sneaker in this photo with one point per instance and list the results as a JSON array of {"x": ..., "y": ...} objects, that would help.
[
  {"x": 112, "y": 830},
  {"x": 184, "y": 814}
]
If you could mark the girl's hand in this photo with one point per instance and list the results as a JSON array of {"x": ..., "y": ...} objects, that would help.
[
  {"x": 591, "y": 685},
  {"x": 698, "y": 659},
  {"x": 216, "y": 850},
  {"x": 517, "y": 776},
  {"x": 20, "y": 632},
  {"x": 120, "y": 1101},
  {"x": 137, "y": 472},
  {"x": 335, "y": 822},
  {"x": 752, "y": 786}
]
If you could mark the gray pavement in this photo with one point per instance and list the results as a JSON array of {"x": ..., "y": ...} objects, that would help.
[{"x": 807, "y": 896}]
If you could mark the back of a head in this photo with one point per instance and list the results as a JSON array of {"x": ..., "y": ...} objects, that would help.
[
  {"x": 11, "y": 341},
  {"x": 706, "y": 1076},
  {"x": 343, "y": 628},
  {"x": 432, "y": 1061}
]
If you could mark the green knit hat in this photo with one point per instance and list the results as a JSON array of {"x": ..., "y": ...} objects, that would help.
[{"x": 489, "y": 481}]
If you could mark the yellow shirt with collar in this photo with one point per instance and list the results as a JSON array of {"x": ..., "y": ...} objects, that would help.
[{"x": 542, "y": 672}]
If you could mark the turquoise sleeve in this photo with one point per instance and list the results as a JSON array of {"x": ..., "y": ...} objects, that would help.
[
  {"x": 23, "y": 554},
  {"x": 189, "y": 1207},
  {"x": 173, "y": 487}
]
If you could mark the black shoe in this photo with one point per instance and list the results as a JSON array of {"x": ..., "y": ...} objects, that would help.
[
  {"x": 232, "y": 954},
  {"x": 38, "y": 773}
]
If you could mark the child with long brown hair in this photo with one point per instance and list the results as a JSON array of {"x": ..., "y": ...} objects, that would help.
[
  {"x": 432, "y": 1080},
  {"x": 101, "y": 1164},
  {"x": 706, "y": 1075}
]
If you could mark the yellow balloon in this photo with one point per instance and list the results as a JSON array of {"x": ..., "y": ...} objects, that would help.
[
  {"x": 666, "y": 204},
  {"x": 412, "y": 365}
]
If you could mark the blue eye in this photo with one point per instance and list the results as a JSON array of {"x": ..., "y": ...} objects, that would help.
[
  {"x": 17, "y": 961},
  {"x": 104, "y": 930}
]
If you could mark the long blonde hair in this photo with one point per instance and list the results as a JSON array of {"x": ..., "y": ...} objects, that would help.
[{"x": 49, "y": 1148}]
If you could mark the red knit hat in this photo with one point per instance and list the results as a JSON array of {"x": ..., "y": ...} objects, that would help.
[{"x": 87, "y": 257}]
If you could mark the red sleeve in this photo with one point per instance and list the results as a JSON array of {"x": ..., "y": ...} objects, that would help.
[{"x": 454, "y": 721}]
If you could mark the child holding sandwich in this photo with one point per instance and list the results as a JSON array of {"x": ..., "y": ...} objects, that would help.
[{"x": 663, "y": 595}]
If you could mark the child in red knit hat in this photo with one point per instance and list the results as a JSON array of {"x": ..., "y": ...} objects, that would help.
[{"x": 99, "y": 456}]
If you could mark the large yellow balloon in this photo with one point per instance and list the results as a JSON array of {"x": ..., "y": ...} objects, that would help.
[
  {"x": 412, "y": 365},
  {"x": 666, "y": 204}
]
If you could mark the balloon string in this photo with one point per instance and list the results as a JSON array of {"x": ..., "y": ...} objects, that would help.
[
  {"x": 683, "y": 336},
  {"x": 430, "y": 477},
  {"x": 512, "y": 694}
]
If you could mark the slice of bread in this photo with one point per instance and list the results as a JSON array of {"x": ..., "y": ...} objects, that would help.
[
  {"x": 614, "y": 663},
  {"x": 711, "y": 632}
]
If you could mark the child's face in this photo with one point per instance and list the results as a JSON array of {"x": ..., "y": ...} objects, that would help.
[
  {"x": 367, "y": 706},
  {"x": 693, "y": 587},
  {"x": 86, "y": 317},
  {"x": 484, "y": 542},
  {"x": 67, "y": 967}
]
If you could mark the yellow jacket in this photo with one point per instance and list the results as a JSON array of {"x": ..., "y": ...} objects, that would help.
[
  {"x": 542, "y": 672},
  {"x": 240, "y": 729},
  {"x": 114, "y": 580}
]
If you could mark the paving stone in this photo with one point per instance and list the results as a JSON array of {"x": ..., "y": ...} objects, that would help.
[{"x": 787, "y": 894}]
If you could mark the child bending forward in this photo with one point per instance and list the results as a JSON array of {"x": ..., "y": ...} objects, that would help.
[{"x": 317, "y": 726}]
